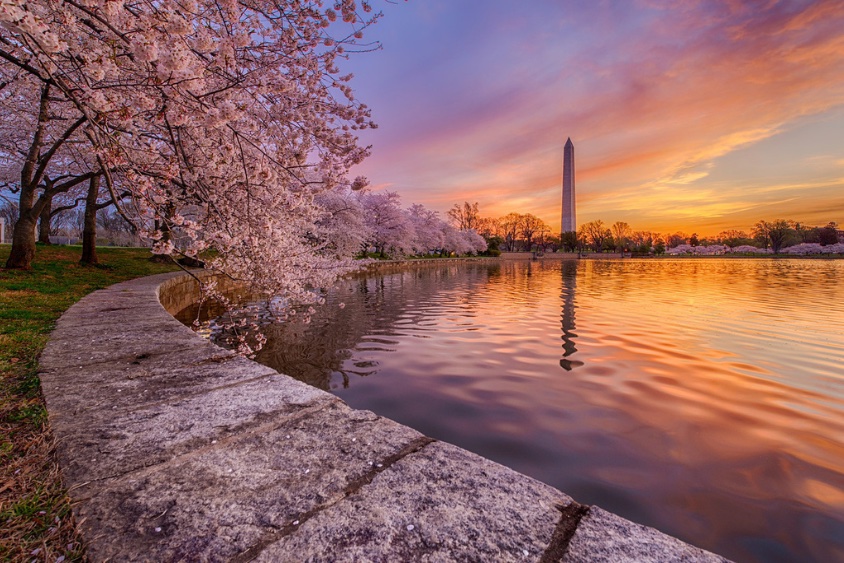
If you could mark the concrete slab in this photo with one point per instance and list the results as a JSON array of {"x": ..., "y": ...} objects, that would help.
[
  {"x": 98, "y": 344},
  {"x": 116, "y": 315},
  {"x": 133, "y": 384},
  {"x": 108, "y": 444},
  {"x": 224, "y": 499},
  {"x": 441, "y": 503},
  {"x": 603, "y": 536}
]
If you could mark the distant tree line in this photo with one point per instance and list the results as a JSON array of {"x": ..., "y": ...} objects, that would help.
[
  {"x": 387, "y": 230},
  {"x": 511, "y": 233},
  {"x": 774, "y": 235},
  {"x": 526, "y": 232}
]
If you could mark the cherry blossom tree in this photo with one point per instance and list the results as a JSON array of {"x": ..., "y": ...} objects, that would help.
[
  {"x": 73, "y": 162},
  {"x": 815, "y": 248},
  {"x": 702, "y": 250},
  {"x": 454, "y": 241},
  {"x": 95, "y": 201},
  {"x": 749, "y": 249},
  {"x": 467, "y": 220},
  {"x": 342, "y": 227},
  {"x": 394, "y": 231},
  {"x": 37, "y": 131},
  {"x": 225, "y": 119},
  {"x": 391, "y": 230},
  {"x": 476, "y": 242},
  {"x": 428, "y": 228}
]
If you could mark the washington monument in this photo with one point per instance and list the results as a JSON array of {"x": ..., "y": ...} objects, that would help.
[{"x": 569, "y": 222}]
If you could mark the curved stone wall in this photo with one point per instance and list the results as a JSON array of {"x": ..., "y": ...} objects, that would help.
[{"x": 174, "y": 449}]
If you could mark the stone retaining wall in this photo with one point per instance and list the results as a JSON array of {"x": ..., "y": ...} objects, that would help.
[{"x": 173, "y": 449}]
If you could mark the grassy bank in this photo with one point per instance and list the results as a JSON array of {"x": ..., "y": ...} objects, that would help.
[{"x": 35, "y": 519}]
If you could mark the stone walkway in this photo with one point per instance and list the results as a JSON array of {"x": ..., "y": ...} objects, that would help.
[{"x": 174, "y": 450}]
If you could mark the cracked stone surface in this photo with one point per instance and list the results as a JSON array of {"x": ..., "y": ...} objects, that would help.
[
  {"x": 130, "y": 385},
  {"x": 222, "y": 498},
  {"x": 173, "y": 449},
  {"x": 439, "y": 504},
  {"x": 124, "y": 441},
  {"x": 603, "y": 536}
]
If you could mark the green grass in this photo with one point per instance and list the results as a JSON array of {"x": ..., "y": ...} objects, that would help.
[{"x": 35, "y": 517}]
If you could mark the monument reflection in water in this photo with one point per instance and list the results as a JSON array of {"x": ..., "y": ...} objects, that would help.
[
  {"x": 569, "y": 274},
  {"x": 702, "y": 397}
]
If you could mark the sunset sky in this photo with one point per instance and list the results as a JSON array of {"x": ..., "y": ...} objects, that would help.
[{"x": 697, "y": 116}]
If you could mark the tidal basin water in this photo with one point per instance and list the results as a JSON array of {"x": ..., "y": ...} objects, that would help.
[{"x": 704, "y": 397}]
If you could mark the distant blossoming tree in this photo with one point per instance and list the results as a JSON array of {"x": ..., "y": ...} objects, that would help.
[
  {"x": 476, "y": 242},
  {"x": 428, "y": 229},
  {"x": 391, "y": 230},
  {"x": 815, "y": 248},
  {"x": 342, "y": 228}
]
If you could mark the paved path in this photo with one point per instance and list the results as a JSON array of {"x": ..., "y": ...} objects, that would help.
[{"x": 174, "y": 450}]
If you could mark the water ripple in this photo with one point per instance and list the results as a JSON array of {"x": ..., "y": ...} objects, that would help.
[{"x": 702, "y": 397}]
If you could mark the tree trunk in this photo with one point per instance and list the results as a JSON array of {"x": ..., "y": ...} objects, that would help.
[
  {"x": 32, "y": 173},
  {"x": 89, "y": 229},
  {"x": 23, "y": 236},
  {"x": 44, "y": 221},
  {"x": 23, "y": 244},
  {"x": 166, "y": 235}
]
